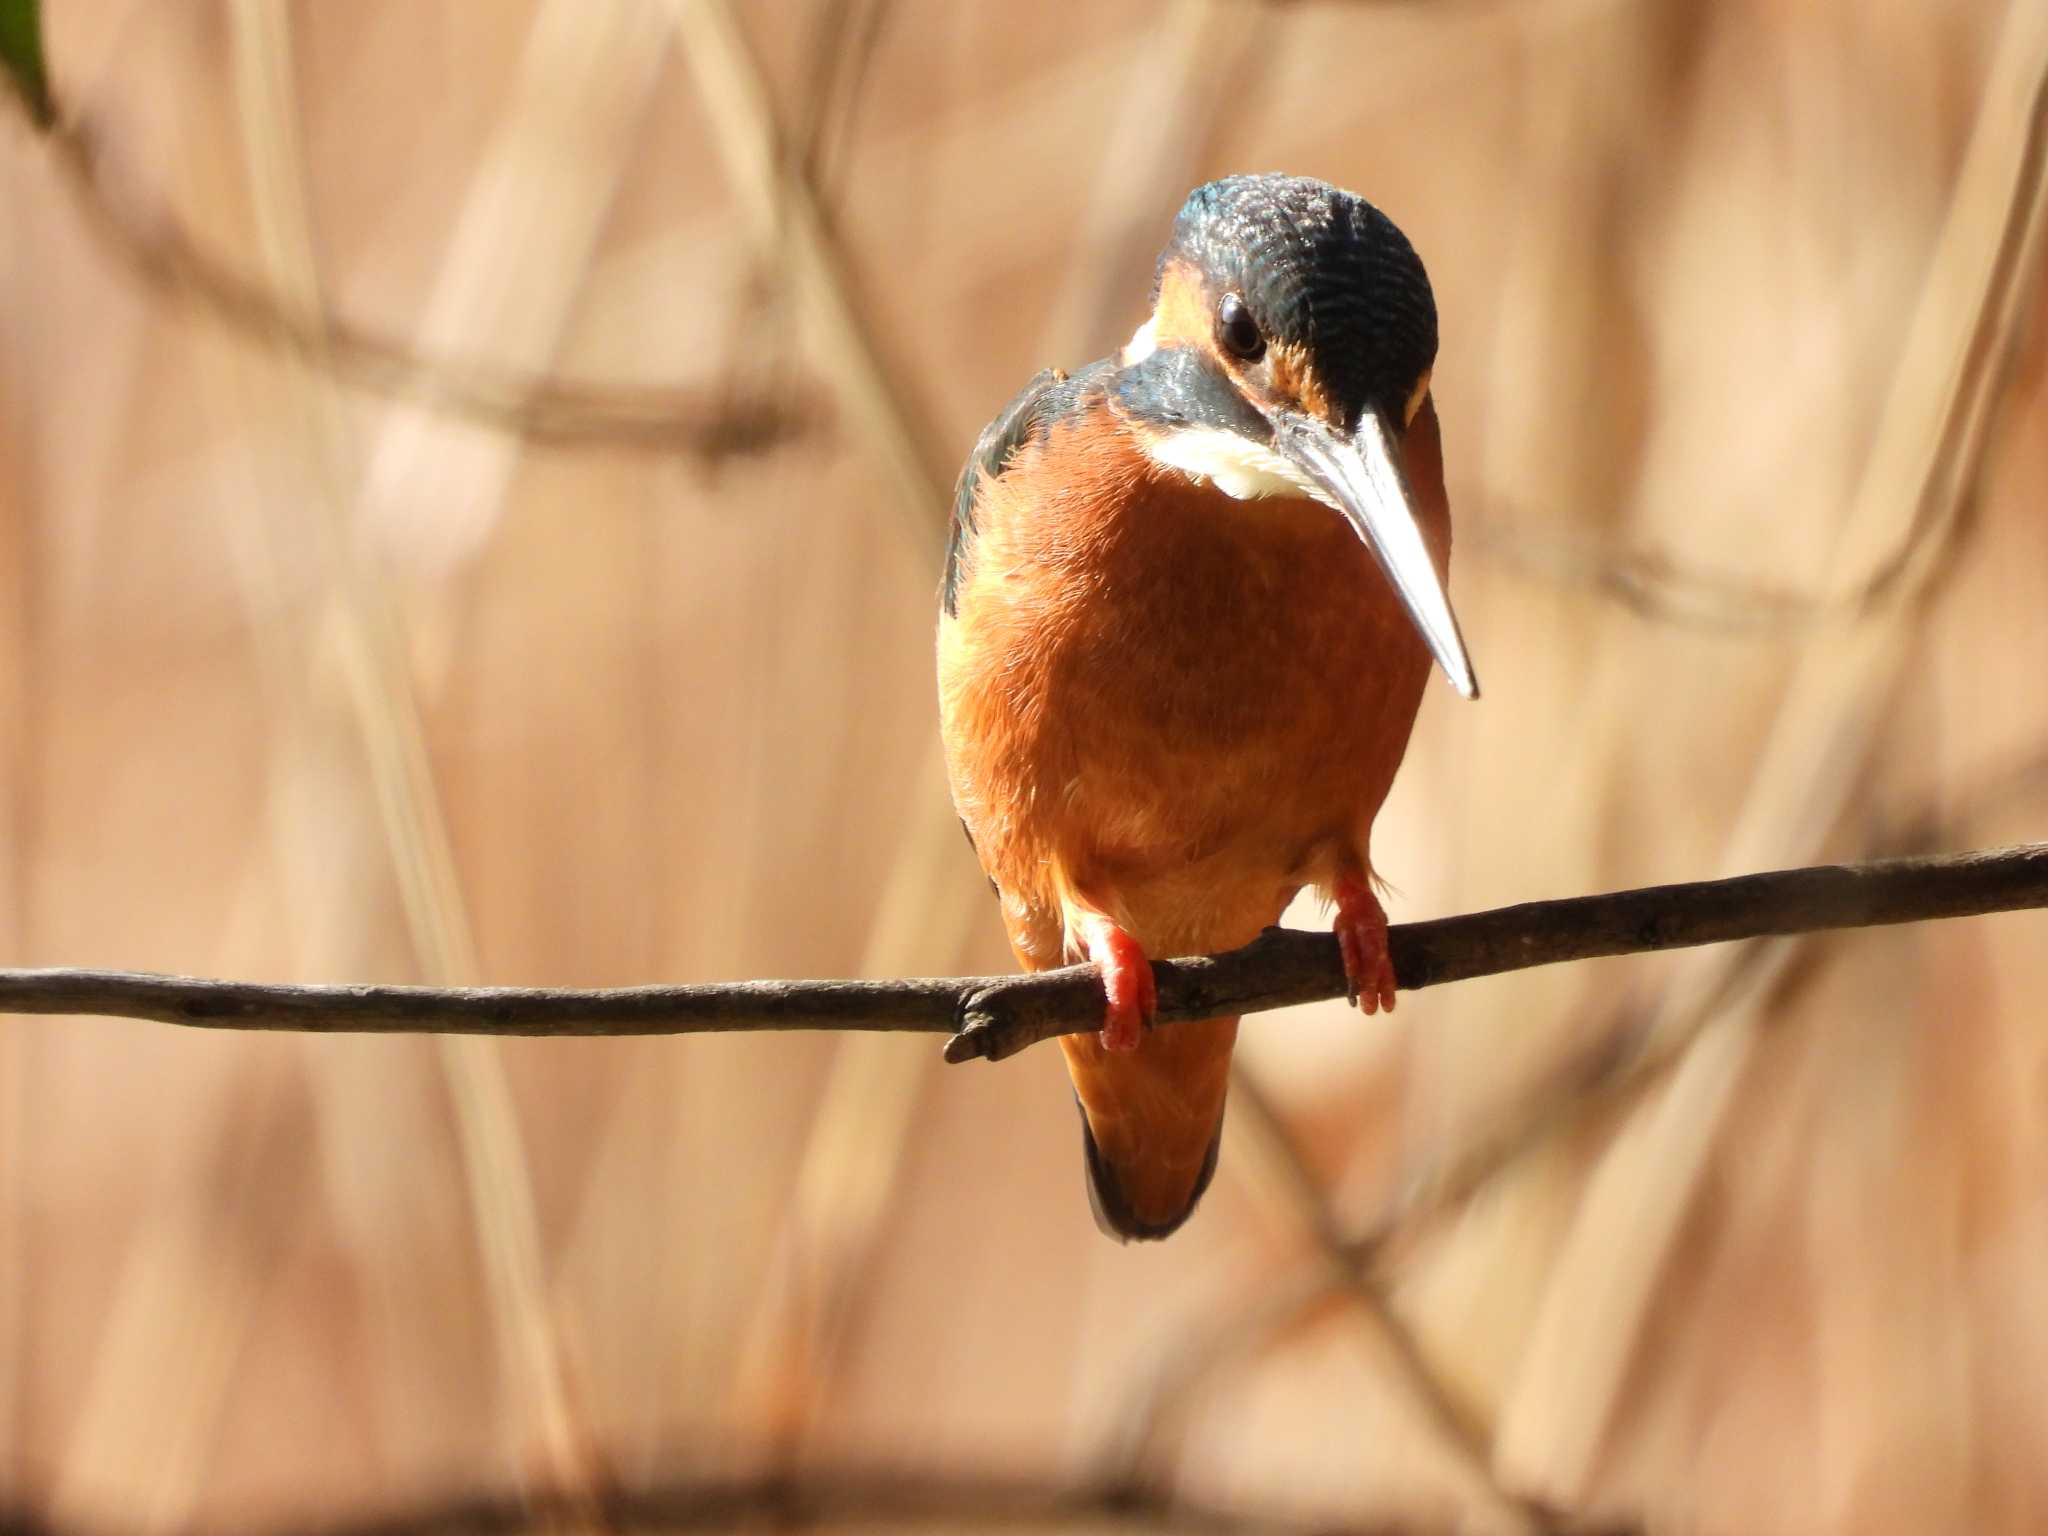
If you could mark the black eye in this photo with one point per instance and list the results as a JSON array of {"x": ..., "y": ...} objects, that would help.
[{"x": 1237, "y": 330}]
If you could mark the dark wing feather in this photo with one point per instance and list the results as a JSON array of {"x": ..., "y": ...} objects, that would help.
[
  {"x": 1015, "y": 425},
  {"x": 1023, "y": 421}
]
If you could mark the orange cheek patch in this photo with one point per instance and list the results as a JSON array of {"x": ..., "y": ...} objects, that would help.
[
  {"x": 1295, "y": 382},
  {"x": 1416, "y": 396},
  {"x": 1184, "y": 314}
]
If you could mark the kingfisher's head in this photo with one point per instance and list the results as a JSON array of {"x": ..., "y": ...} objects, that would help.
[{"x": 1288, "y": 353}]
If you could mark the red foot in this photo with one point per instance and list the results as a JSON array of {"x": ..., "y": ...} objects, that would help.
[
  {"x": 1362, "y": 935},
  {"x": 1133, "y": 996}
]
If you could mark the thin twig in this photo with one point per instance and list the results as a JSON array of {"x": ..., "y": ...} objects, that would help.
[
  {"x": 375, "y": 696},
  {"x": 833, "y": 1225},
  {"x": 710, "y": 422},
  {"x": 1665, "y": 591},
  {"x": 996, "y": 1016},
  {"x": 1925, "y": 458},
  {"x": 786, "y": 221},
  {"x": 822, "y": 1499},
  {"x": 1387, "y": 1332}
]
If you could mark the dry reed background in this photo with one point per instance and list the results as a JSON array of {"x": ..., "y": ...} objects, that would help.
[{"x": 330, "y": 651}]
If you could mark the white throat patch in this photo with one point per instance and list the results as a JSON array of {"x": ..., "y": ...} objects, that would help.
[{"x": 1234, "y": 465}]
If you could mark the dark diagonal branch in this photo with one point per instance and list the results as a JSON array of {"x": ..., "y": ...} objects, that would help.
[
  {"x": 711, "y": 422},
  {"x": 997, "y": 1016}
]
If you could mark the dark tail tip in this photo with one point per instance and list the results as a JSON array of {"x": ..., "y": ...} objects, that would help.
[{"x": 1106, "y": 1197}]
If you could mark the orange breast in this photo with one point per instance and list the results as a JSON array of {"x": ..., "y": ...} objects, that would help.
[{"x": 1178, "y": 706}]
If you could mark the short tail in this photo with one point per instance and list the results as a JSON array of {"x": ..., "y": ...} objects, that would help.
[
  {"x": 1114, "y": 1212},
  {"x": 1151, "y": 1124}
]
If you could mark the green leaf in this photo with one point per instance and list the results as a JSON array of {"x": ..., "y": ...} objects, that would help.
[{"x": 21, "y": 50}]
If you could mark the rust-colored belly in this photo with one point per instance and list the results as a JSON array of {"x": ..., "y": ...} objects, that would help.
[{"x": 1182, "y": 713}]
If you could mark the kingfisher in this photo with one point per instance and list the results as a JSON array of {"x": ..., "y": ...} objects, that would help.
[{"x": 1191, "y": 596}]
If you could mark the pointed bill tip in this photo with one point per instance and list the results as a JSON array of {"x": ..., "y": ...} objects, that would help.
[
  {"x": 1428, "y": 605},
  {"x": 1463, "y": 680},
  {"x": 1361, "y": 477}
]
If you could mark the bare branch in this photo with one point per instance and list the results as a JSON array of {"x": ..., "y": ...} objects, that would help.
[
  {"x": 821, "y": 1500},
  {"x": 996, "y": 1016}
]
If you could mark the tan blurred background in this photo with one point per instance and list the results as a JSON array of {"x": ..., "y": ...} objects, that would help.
[{"x": 471, "y": 489}]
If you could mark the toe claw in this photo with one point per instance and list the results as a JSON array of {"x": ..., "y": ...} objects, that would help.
[
  {"x": 1122, "y": 1029},
  {"x": 1362, "y": 937}
]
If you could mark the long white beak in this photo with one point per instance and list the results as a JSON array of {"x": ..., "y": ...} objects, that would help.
[{"x": 1361, "y": 477}]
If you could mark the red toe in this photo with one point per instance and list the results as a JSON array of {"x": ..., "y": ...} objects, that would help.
[
  {"x": 1362, "y": 936},
  {"x": 1127, "y": 982}
]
